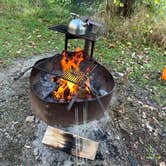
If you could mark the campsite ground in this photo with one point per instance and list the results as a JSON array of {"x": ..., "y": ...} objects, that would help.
[{"x": 138, "y": 113}]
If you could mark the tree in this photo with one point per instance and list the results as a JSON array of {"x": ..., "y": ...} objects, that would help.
[{"x": 126, "y": 7}]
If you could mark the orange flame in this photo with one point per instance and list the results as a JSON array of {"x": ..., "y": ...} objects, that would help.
[
  {"x": 163, "y": 76},
  {"x": 67, "y": 89}
]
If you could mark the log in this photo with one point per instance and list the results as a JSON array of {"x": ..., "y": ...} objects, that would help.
[{"x": 66, "y": 142}]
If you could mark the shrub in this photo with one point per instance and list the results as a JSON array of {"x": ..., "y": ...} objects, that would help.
[{"x": 143, "y": 26}]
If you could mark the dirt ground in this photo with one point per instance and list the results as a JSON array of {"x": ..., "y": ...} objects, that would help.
[{"x": 139, "y": 121}]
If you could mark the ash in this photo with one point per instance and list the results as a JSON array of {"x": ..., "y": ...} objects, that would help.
[{"x": 109, "y": 151}]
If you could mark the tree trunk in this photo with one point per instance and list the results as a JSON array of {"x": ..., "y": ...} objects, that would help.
[{"x": 127, "y": 9}]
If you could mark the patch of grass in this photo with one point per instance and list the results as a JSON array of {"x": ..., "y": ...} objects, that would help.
[
  {"x": 24, "y": 26},
  {"x": 142, "y": 64},
  {"x": 24, "y": 29}
]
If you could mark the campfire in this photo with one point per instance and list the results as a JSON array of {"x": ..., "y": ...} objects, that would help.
[{"x": 71, "y": 71}]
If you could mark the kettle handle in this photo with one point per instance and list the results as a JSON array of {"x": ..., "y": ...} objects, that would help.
[{"x": 74, "y": 15}]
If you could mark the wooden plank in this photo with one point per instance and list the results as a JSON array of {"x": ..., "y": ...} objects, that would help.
[{"x": 66, "y": 141}]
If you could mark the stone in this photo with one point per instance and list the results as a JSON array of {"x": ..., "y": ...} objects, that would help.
[
  {"x": 67, "y": 163},
  {"x": 162, "y": 163},
  {"x": 36, "y": 151},
  {"x": 27, "y": 146},
  {"x": 120, "y": 74},
  {"x": 30, "y": 119}
]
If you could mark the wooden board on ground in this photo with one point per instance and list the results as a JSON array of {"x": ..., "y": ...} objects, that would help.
[{"x": 67, "y": 142}]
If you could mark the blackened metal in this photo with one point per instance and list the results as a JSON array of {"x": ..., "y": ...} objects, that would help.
[
  {"x": 17, "y": 77},
  {"x": 55, "y": 112},
  {"x": 89, "y": 38},
  {"x": 66, "y": 42},
  {"x": 22, "y": 73},
  {"x": 64, "y": 29},
  {"x": 87, "y": 43},
  {"x": 99, "y": 156},
  {"x": 92, "y": 49},
  {"x": 44, "y": 87},
  {"x": 91, "y": 21}
]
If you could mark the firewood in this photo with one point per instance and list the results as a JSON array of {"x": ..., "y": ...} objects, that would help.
[{"x": 67, "y": 142}]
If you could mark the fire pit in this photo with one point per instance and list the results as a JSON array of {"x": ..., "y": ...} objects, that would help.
[{"x": 70, "y": 81}]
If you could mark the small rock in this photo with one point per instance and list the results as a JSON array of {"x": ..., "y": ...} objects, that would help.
[
  {"x": 162, "y": 163},
  {"x": 36, "y": 151},
  {"x": 27, "y": 146},
  {"x": 30, "y": 119},
  {"x": 67, "y": 163},
  {"x": 149, "y": 127},
  {"x": 163, "y": 135},
  {"x": 102, "y": 92},
  {"x": 163, "y": 108},
  {"x": 37, "y": 158},
  {"x": 120, "y": 74},
  {"x": 37, "y": 120},
  {"x": 144, "y": 115},
  {"x": 0, "y": 155}
]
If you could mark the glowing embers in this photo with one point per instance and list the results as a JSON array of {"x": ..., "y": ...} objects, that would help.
[{"x": 72, "y": 77}]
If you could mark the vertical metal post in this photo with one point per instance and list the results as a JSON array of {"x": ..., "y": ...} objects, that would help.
[
  {"x": 92, "y": 49},
  {"x": 87, "y": 42},
  {"x": 66, "y": 41}
]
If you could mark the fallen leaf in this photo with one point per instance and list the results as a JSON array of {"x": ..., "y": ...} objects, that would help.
[
  {"x": 112, "y": 45},
  {"x": 38, "y": 36}
]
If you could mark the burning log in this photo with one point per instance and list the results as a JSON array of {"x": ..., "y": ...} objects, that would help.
[
  {"x": 67, "y": 142},
  {"x": 71, "y": 69}
]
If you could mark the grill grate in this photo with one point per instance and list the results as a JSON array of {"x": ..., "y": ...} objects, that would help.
[{"x": 74, "y": 76}]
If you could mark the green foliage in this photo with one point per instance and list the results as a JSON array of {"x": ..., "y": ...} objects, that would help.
[
  {"x": 118, "y": 3},
  {"x": 65, "y": 3},
  {"x": 143, "y": 25},
  {"x": 156, "y": 6}
]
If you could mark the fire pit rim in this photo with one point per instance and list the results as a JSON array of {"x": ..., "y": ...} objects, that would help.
[{"x": 66, "y": 102}]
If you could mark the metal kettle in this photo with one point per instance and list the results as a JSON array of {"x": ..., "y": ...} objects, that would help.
[{"x": 77, "y": 26}]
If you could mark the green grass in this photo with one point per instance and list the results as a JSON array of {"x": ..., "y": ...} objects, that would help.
[
  {"x": 145, "y": 64},
  {"x": 24, "y": 29},
  {"x": 24, "y": 26},
  {"x": 24, "y": 32}
]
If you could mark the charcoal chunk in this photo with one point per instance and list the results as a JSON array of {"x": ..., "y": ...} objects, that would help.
[{"x": 45, "y": 86}]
